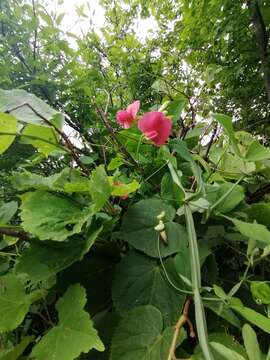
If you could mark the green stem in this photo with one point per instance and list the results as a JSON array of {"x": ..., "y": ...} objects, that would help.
[
  {"x": 138, "y": 147},
  {"x": 196, "y": 285}
]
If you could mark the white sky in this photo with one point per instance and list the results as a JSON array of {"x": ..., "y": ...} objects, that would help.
[
  {"x": 79, "y": 26},
  {"x": 95, "y": 13}
]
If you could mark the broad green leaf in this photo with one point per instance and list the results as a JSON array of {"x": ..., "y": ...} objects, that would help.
[
  {"x": 140, "y": 335},
  {"x": 260, "y": 291},
  {"x": 8, "y": 124},
  {"x": 100, "y": 188},
  {"x": 123, "y": 189},
  {"x": 14, "y": 302},
  {"x": 44, "y": 138},
  {"x": 260, "y": 212},
  {"x": 180, "y": 147},
  {"x": 257, "y": 152},
  {"x": 176, "y": 107},
  {"x": 252, "y": 230},
  {"x": 223, "y": 310},
  {"x": 251, "y": 315},
  {"x": 10, "y": 99},
  {"x": 234, "y": 197},
  {"x": 140, "y": 280},
  {"x": 7, "y": 211},
  {"x": 219, "y": 292},
  {"x": 170, "y": 192},
  {"x": 225, "y": 352},
  {"x": 40, "y": 261},
  {"x": 68, "y": 180},
  {"x": 226, "y": 122},
  {"x": 138, "y": 228},
  {"x": 229, "y": 342},
  {"x": 51, "y": 216},
  {"x": 182, "y": 261},
  {"x": 74, "y": 332},
  {"x": 27, "y": 180},
  {"x": 115, "y": 163},
  {"x": 14, "y": 352},
  {"x": 251, "y": 343}
]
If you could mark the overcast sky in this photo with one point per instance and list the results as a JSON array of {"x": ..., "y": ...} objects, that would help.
[{"x": 70, "y": 22}]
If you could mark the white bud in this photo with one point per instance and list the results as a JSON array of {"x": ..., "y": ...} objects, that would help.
[
  {"x": 161, "y": 215},
  {"x": 160, "y": 226}
]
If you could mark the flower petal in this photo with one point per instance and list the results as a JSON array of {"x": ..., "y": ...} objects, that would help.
[
  {"x": 124, "y": 118},
  {"x": 155, "y": 122},
  {"x": 133, "y": 108}
]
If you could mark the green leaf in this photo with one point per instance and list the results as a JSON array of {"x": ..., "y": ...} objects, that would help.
[
  {"x": 50, "y": 216},
  {"x": 100, "y": 188},
  {"x": 226, "y": 122},
  {"x": 180, "y": 147},
  {"x": 229, "y": 342},
  {"x": 139, "y": 223},
  {"x": 260, "y": 291},
  {"x": 225, "y": 352},
  {"x": 74, "y": 333},
  {"x": 170, "y": 192},
  {"x": 176, "y": 107},
  {"x": 125, "y": 189},
  {"x": 260, "y": 212},
  {"x": 7, "y": 211},
  {"x": 40, "y": 261},
  {"x": 251, "y": 315},
  {"x": 257, "y": 152},
  {"x": 10, "y": 99},
  {"x": 252, "y": 230},
  {"x": 140, "y": 335},
  {"x": 251, "y": 343},
  {"x": 44, "y": 138},
  {"x": 14, "y": 302},
  {"x": 16, "y": 351},
  {"x": 115, "y": 163},
  {"x": 235, "y": 195},
  {"x": 68, "y": 180},
  {"x": 182, "y": 261},
  {"x": 140, "y": 280},
  {"x": 223, "y": 310},
  {"x": 8, "y": 124}
]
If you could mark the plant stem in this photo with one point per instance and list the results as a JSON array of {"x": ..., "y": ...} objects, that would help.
[
  {"x": 182, "y": 320},
  {"x": 196, "y": 285}
]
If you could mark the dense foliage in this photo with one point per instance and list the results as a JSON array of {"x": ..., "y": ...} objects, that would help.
[{"x": 134, "y": 206}]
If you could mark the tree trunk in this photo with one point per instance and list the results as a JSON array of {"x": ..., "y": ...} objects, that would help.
[{"x": 262, "y": 41}]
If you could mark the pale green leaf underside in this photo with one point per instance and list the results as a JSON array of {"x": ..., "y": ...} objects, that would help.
[
  {"x": 14, "y": 303},
  {"x": 74, "y": 333},
  {"x": 50, "y": 216},
  {"x": 8, "y": 124}
]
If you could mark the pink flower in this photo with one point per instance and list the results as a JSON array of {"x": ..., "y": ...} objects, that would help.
[
  {"x": 127, "y": 117},
  {"x": 156, "y": 127}
]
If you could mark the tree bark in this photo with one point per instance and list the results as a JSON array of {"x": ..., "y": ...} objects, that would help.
[{"x": 262, "y": 41}]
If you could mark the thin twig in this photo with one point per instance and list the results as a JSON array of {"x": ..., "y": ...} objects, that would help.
[
  {"x": 211, "y": 142},
  {"x": 182, "y": 320},
  {"x": 127, "y": 155},
  {"x": 61, "y": 133},
  {"x": 19, "y": 233}
]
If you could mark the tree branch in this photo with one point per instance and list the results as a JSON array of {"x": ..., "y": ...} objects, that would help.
[
  {"x": 182, "y": 320},
  {"x": 127, "y": 155},
  {"x": 262, "y": 41},
  {"x": 258, "y": 194},
  {"x": 61, "y": 133},
  {"x": 10, "y": 231}
]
